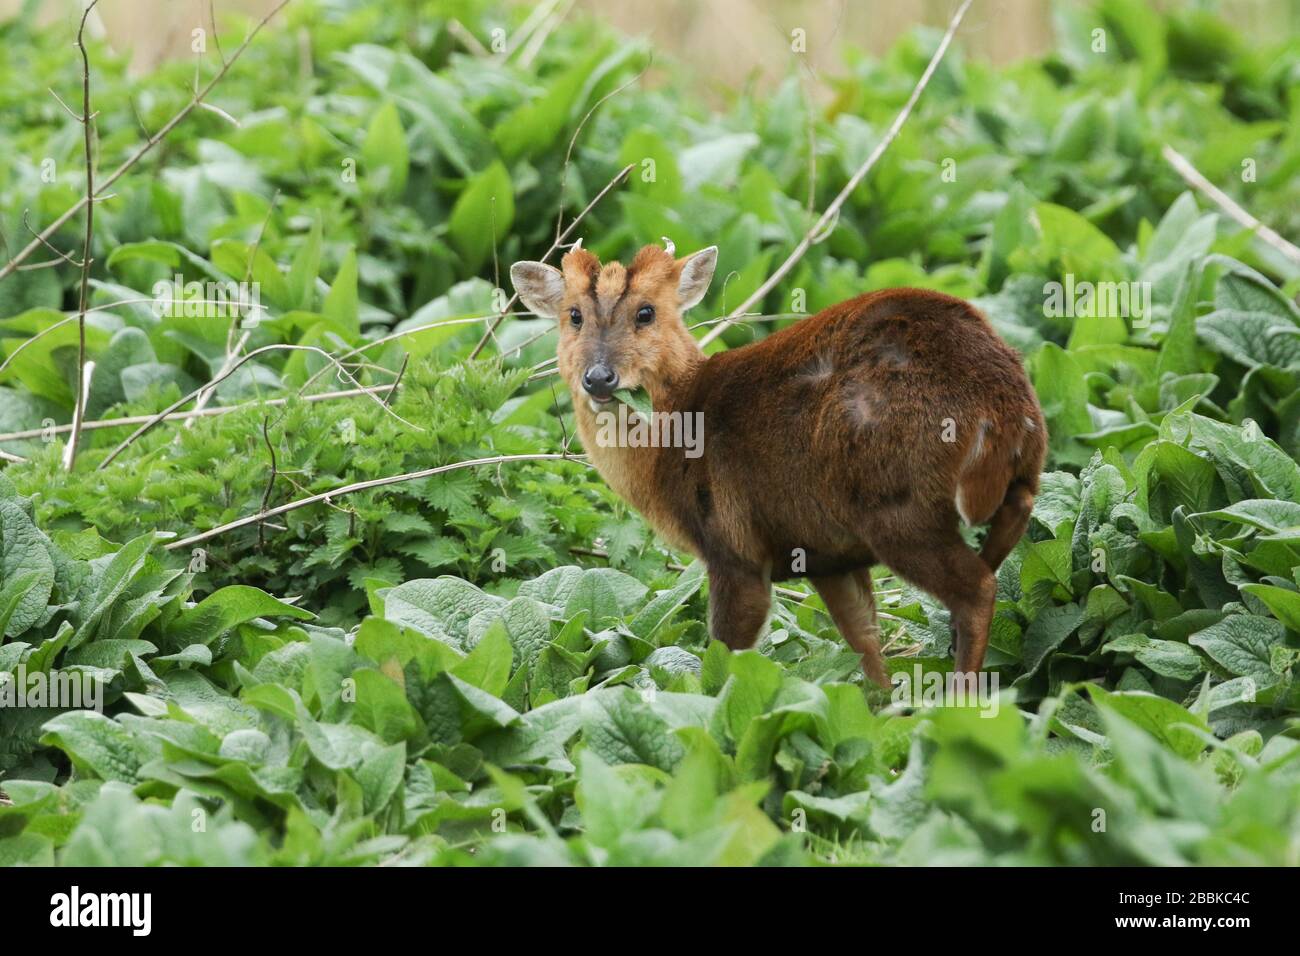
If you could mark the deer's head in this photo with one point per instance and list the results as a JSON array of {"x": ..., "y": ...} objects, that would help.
[{"x": 620, "y": 327}]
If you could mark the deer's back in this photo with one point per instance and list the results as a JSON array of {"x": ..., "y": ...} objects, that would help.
[{"x": 864, "y": 413}]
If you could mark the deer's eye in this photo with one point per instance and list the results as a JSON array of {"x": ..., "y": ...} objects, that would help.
[
  {"x": 645, "y": 315},
  {"x": 575, "y": 318}
]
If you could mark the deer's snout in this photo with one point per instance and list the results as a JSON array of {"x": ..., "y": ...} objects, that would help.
[{"x": 600, "y": 381}]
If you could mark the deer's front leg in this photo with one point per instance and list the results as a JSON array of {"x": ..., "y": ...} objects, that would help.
[{"x": 738, "y": 604}]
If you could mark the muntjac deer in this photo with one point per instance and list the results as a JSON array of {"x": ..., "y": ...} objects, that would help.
[{"x": 860, "y": 435}]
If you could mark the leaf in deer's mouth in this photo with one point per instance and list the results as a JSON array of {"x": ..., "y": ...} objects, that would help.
[{"x": 636, "y": 399}]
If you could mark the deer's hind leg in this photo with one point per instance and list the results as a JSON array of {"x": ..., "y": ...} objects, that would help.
[
  {"x": 852, "y": 606},
  {"x": 943, "y": 565},
  {"x": 1008, "y": 524}
]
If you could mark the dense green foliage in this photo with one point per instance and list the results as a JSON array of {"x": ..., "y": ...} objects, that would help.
[{"x": 427, "y": 672}]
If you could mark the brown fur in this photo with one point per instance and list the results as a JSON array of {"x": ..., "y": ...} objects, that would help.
[{"x": 860, "y": 435}]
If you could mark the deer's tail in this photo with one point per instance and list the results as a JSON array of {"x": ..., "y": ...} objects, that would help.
[{"x": 1003, "y": 460}]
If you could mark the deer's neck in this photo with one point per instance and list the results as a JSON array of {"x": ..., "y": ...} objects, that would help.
[{"x": 629, "y": 467}]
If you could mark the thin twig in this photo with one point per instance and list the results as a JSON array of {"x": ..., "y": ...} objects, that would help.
[
  {"x": 538, "y": 39},
  {"x": 535, "y": 19},
  {"x": 365, "y": 486},
  {"x": 66, "y": 108},
  {"x": 26, "y": 342},
  {"x": 16, "y": 459},
  {"x": 573, "y": 141},
  {"x": 216, "y": 40},
  {"x": 13, "y": 264},
  {"x": 84, "y": 371},
  {"x": 155, "y": 419},
  {"x": 58, "y": 252},
  {"x": 211, "y": 411},
  {"x": 559, "y": 414},
  {"x": 833, "y": 210},
  {"x": 34, "y": 266},
  {"x": 467, "y": 39},
  {"x": 270, "y": 481},
  {"x": 491, "y": 329},
  {"x": 392, "y": 389},
  {"x": 1228, "y": 205},
  {"x": 78, "y": 412}
]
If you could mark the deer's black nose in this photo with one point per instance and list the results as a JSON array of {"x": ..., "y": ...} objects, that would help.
[{"x": 600, "y": 381}]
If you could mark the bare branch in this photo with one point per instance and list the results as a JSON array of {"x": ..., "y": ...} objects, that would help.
[
  {"x": 534, "y": 19},
  {"x": 84, "y": 371},
  {"x": 833, "y": 209},
  {"x": 67, "y": 109},
  {"x": 467, "y": 39},
  {"x": 573, "y": 140},
  {"x": 270, "y": 481},
  {"x": 78, "y": 410},
  {"x": 12, "y": 265},
  {"x": 26, "y": 342},
  {"x": 339, "y": 492},
  {"x": 34, "y": 266},
  {"x": 212, "y": 108},
  {"x": 58, "y": 252},
  {"x": 216, "y": 40},
  {"x": 1228, "y": 205},
  {"x": 538, "y": 39},
  {"x": 392, "y": 389}
]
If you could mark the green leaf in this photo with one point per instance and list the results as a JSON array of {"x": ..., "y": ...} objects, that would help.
[
  {"x": 1280, "y": 518},
  {"x": 622, "y": 728},
  {"x": 385, "y": 159},
  {"x": 1283, "y": 603},
  {"x": 227, "y": 608},
  {"x": 638, "y": 401},
  {"x": 439, "y": 607},
  {"x": 300, "y": 283},
  {"x": 1167, "y": 658},
  {"x": 482, "y": 217},
  {"x": 487, "y": 666},
  {"x": 26, "y": 569},
  {"x": 341, "y": 303},
  {"x": 1080, "y": 247},
  {"x": 1243, "y": 645},
  {"x": 96, "y": 745},
  {"x": 381, "y": 706}
]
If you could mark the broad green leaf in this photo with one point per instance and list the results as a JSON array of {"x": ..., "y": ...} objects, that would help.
[
  {"x": 225, "y": 609},
  {"x": 482, "y": 217}
]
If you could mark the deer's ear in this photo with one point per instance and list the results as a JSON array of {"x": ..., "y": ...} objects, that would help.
[
  {"x": 697, "y": 273},
  {"x": 540, "y": 287}
]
